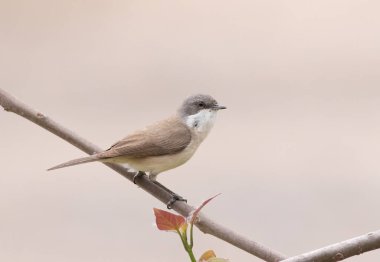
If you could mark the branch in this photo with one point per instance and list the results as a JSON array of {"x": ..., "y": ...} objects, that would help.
[
  {"x": 342, "y": 250},
  {"x": 206, "y": 225}
]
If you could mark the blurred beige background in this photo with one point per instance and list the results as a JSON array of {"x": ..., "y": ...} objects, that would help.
[{"x": 295, "y": 156}]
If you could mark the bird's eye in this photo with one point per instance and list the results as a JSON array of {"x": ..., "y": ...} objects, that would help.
[{"x": 201, "y": 104}]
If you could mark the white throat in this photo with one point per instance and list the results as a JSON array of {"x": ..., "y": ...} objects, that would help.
[{"x": 201, "y": 122}]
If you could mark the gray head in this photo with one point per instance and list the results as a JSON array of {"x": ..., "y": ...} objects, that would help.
[{"x": 196, "y": 103}]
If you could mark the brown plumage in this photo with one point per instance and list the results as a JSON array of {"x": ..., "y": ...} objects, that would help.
[
  {"x": 166, "y": 137},
  {"x": 164, "y": 145}
]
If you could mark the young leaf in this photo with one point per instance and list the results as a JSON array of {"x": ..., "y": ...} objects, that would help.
[
  {"x": 217, "y": 259},
  {"x": 167, "y": 221},
  {"x": 194, "y": 214},
  {"x": 209, "y": 256}
]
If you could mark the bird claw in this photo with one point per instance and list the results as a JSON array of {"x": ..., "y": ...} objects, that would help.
[
  {"x": 137, "y": 175},
  {"x": 174, "y": 199}
]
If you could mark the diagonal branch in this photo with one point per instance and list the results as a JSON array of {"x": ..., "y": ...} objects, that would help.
[
  {"x": 334, "y": 252},
  {"x": 342, "y": 250},
  {"x": 206, "y": 225}
]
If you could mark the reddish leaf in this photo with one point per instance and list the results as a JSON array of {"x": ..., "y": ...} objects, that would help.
[
  {"x": 168, "y": 221},
  {"x": 194, "y": 215}
]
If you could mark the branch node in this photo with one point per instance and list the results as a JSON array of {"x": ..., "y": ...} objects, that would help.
[
  {"x": 40, "y": 115},
  {"x": 338, "y": 256}
]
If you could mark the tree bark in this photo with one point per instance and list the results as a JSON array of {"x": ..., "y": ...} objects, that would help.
[{"x": 342, "y": 250}]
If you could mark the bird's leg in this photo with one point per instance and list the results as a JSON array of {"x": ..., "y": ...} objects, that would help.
[
  {"x": 137, "y": 175},
  {"x": 175, "y": 197},
  {"x": 163, "y": 187},
  {"x": 152, "y": 178}
]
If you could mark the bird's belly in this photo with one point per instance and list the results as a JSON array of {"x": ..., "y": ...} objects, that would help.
[{"x": 158, "y": 164}]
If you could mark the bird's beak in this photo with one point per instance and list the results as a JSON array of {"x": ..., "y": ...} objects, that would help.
[{"x": 218, "y": 107}]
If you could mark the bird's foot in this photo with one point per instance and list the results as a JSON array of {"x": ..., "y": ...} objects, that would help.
[
  {"x": 174, "y": 196},
  {"x": 174, "y": 199},
  {"x": 137, "y": 175}
]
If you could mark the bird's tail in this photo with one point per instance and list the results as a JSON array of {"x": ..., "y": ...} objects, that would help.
[{"x": 77, "y": 161}]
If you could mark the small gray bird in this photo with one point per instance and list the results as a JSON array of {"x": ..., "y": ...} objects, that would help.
[{"x": 164, "y": 145}]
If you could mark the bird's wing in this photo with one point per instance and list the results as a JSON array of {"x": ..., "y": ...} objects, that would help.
[{"x": 166, "y": 137}]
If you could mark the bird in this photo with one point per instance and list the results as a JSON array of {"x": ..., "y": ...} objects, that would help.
[{"x": 163, "y": 145}]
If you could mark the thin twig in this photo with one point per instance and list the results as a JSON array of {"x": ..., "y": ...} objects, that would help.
[
  {"x": 339, "y": 251},
  {"x": 206, "y": 225}
]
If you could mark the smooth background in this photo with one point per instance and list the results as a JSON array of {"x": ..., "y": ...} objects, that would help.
[{"x": 295, "y": 156}]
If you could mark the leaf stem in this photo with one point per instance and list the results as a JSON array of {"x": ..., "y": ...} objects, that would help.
[
  {"x": 191, "y": 235},
  {"x": 188, "y": 248}
]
